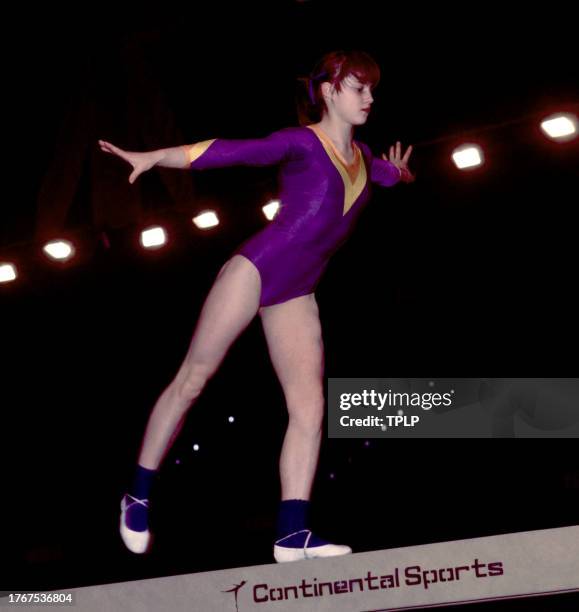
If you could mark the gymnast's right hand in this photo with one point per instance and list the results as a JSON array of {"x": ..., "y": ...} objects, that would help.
[{"x": 141, "y": 162}]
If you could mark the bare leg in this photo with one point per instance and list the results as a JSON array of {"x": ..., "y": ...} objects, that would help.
[
  {"x": 294, "y": 338},
  {"x": 230, "y": 306}
]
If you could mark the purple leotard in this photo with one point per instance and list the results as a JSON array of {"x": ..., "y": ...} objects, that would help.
[{"x": 320, "y": 202}]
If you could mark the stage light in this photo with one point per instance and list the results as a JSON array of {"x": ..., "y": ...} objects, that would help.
[
  {"x": 7, "y": 272},
  {"x": 468, "y": 156},
  {"x": 206, "y": 219},
  {"x": 62, "y": 250},
  {"x": 153, "y": 237},
  {"x": 195, "y": 447},
  {"x": 560, "y": 127},
  {"x": 231, "y": 419},
  {"x": 270, "y": 210}
]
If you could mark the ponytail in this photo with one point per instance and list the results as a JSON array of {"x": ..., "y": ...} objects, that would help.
[{"x": 310, "y": 103}]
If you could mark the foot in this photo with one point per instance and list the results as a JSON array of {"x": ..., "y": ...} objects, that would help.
[
  {"x": 134, "y": 524},
  {"x": 305, "y": 545}
]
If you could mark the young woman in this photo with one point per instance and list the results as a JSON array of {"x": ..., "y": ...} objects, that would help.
[{"x": 325, "y": 178}]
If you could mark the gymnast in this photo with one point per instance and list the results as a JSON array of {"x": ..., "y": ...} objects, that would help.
[{"x": 324, "y": 181}]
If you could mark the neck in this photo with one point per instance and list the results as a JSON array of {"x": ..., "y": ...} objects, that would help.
[{"x": 339, "y": 132}]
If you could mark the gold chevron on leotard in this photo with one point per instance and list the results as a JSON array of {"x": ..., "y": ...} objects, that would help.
[
  {"x": 354, "y": 175},
  {"x": 196, "y": 150}
]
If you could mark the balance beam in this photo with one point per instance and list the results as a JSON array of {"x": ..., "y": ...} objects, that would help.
[{"x": 513, "y": 565}]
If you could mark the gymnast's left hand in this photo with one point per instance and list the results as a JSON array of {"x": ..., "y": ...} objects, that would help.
[{"x": 401, "y": 163}]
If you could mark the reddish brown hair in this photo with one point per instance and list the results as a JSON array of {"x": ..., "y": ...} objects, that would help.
[{"x": 334, "y": 67}]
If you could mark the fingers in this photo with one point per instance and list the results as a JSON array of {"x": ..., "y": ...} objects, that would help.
[
  {"x": 401, "y": 163},
  {"x": 108, "y": 147},
  {"x": 396, "y": 152}
]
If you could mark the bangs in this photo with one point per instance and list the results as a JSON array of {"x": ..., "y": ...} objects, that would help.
[{"x": 363, "y": 67}]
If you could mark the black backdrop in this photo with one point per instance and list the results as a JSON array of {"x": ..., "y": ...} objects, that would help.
[{"x": 459, "y": 274}]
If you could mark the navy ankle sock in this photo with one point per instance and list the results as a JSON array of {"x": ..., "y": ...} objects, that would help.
[
  {"x": 293, "y": 524},
  {"x": 293, "y": 518},
  {"x": 137, "y": 517},
  {"x": 142, "y": 482}
]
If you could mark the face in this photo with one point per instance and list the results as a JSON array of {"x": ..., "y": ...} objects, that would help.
[{"x": 351, "y": 104}]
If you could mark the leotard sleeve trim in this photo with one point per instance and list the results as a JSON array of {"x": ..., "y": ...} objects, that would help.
[{"x": 196, "y": 150}]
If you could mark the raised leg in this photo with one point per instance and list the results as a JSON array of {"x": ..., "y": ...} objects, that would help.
[{"x": 230, "y": 306}]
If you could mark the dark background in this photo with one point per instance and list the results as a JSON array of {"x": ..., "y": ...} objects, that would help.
[{"x": 460, "y": 274}]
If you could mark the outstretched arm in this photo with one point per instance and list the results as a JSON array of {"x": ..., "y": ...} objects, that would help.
[
  {"x": 216, "y": 153},
  {"x": 173, "y": 157}
]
